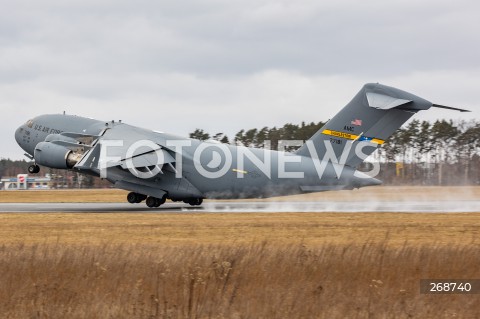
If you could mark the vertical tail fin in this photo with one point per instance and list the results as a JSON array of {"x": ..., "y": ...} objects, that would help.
[{"x": 364, "y": 124}]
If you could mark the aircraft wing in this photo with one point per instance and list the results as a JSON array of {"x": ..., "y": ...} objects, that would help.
[
  {"x": 125, "y": 146},
  {"x": 128, "y": 146}
]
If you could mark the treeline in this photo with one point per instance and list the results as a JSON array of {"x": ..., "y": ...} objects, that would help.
[
  {"x": 12, "y": 168},
  {"x": 439, "y": 153},
  {"x": 256, "y": 137},
  {"x": 59, "y": 178}
]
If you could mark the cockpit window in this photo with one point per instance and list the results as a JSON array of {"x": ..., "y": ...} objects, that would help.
[{"x": 30, "y": 123}]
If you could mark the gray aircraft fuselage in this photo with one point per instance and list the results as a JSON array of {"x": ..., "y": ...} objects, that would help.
[
  {"x": 247, "y": 182},
  {"x": 156, "y": 166}
]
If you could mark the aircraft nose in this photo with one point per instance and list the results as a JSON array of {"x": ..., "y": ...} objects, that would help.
[
  {"x": 21, "y": 136},
  {"x": 18, "y": 135}
]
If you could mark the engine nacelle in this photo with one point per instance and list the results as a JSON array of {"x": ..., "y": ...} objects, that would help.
[
  {"x": 59, "y": 137},
  {"x": 55, "y": 156}
]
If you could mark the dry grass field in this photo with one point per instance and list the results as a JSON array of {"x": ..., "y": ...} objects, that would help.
[
  {"x": 260, "y": 280},
  {"x": 179, "y": 229},
  {"x": 256, "y": 265},
  {"x": 64, "y": 196}
]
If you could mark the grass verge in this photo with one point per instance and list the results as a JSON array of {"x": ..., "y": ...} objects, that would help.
[{"x": 378, "y": 194}]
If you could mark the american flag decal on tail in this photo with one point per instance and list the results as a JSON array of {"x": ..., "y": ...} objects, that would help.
[{"x": 357, "y": 122}]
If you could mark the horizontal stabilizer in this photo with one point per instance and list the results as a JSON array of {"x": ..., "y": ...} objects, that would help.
[
  {"x": 449, "y": 108},
  {"x": 364, "y": 124},
  {"x": 384, "y": 102}
]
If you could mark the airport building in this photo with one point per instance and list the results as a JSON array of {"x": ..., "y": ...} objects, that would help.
[{"x": 23, "y": 181}]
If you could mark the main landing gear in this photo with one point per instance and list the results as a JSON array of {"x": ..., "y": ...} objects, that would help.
[
  {"x": 194, "y": 201},
  {"x": 34, "y": 169},
  {"x": 155, "y": 202},
  {"x": 135, "y": 198}
]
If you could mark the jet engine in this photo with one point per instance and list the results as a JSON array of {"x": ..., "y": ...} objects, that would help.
[
  {"x": 55, "y": 156},
  {"x": 59, "y": 137}
]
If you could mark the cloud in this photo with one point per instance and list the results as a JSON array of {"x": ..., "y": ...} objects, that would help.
[
  {"x": 241, "y": 37},
  {"x": 227, "y": 65}
]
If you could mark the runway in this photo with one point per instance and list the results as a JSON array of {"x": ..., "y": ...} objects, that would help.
[{"x": 250, "y": 207}]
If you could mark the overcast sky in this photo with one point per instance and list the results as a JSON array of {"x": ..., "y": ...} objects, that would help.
[{"x": 226, "y": 65}]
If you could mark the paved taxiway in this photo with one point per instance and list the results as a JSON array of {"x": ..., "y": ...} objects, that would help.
[{"x": 247, "y": 206}]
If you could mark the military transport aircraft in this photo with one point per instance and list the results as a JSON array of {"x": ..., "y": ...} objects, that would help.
[{"x": 156, "y": 166}]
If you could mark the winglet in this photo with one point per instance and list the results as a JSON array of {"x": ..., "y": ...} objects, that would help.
[{"x": 449, "y": 108}]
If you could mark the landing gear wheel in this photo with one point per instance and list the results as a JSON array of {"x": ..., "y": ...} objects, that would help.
[
  {"x": 151, "y": 201},
  {"x": 155, "y": 202},
  {"x": 135, "y": 198},
  {"x": 196, "y": 201},
  {"x": 162, "y": 200},
  {"x": 34, "y": 169},
  {"x": 141, "y": 198},
  {"x": 132, "y": 198}
]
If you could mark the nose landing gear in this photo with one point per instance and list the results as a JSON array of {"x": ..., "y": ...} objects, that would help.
[{"x": 34, "y": 169}]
